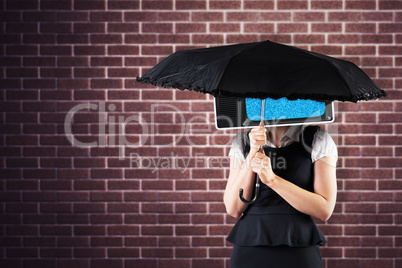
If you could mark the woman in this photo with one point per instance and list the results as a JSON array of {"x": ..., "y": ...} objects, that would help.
[{"x": 297, "y": 170}]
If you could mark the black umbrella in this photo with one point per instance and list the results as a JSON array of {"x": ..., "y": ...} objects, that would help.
[{"x": 263, "y": 70}]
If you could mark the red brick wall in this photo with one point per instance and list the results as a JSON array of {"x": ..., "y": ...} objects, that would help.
[{"x": 68, "y": 206}]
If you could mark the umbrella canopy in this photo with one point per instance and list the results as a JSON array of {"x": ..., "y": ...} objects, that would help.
[{"x": 263, "y": 70}]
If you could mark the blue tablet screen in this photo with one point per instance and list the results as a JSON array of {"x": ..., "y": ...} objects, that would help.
[{"x": 283, "y": 109}]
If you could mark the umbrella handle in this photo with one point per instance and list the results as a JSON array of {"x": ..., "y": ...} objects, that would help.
[
  {"x": 257, "y": 178},
  {"x": 256, "y": 192}
]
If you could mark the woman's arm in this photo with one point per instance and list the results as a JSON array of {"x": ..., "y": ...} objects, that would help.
[
  {"x": 319, "y": 204},
  {"x": 242, "y": 176}
]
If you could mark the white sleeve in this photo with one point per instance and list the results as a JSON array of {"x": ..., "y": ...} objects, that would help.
[
  {"x": 323, "y": 145},
  {"x": 237, "y": 147}
]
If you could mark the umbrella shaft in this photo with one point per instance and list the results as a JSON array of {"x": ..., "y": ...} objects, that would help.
[{"x": 262, "y": 118}]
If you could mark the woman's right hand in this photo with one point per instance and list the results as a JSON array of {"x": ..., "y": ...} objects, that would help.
[{"x": 258, "y": 137}]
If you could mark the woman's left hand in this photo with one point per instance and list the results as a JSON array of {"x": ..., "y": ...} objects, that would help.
[{"x": 261, "y": 164}]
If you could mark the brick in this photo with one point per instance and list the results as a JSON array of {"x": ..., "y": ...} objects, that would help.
[
  {"x": 106, "y": 16},
  {"x": 21, "y": 72},
  {"x": 361, "y": 252},
  {"x": 22, "y": 50},
  {"x": 102, "y": 263},
  {"x": 207, "y": 219},
  {"x": 89, "y": 27},
  {"x": 39, "y": 39},
  {"x": 326, "y": 27},
  {"x": 72, "y": 61},
  {"x": 259, "y": 5},
  {"x": 89, "y": 72},
  {"x": 377, "y": 16},
  {"x": 106, "y": 83},
  {"x": 360, "y": 28},
  {"x": 147, "y": 174},
  {"x": 389, "y": 162},
  {"x": 72, "y": 83},
  {"x": 169, "y": 38},
  {"x": 140, "y": 16},
  {"x": 55, "y": 72},
  {"x": 360, "y": 185},
  {"x": 122, "y": 72},
  {"x": 141, "y": 219},
  {"x": 360, "y": 118},
  {"x": 363, "y": 50},
  {"x": 123, "y": 4},
  {"x": 157, "y": 27},
  {"x": 227, "y": 4},
  {"x": 292, "y": 5},
  {"x": 191, "y": 230},
  {"x": 39, "y": 83},
  {"x": 390, "y": 140},
  {"x": 106, "y": 39},
  {"x": 242, "y": 16},
  {"x": 206, "y": 16},
  {"x": 123, "y": 252},
  {"x": 21, "y": 28},
  {"x": 362, "y": 162},
  {"x": 123, "y": 27},
  {"x": 306, "y": 39},
  {"x": 291, "y": 27},
  {"x": 259, "y": 27},
  {"x": 207, "y": 39},
  {"x": 360, "y": 5},
  {"x": 157, "y": 208},
  {"x": 156, "y": 230},
  {"x": 191, "y": 252},
  {"x": 390, "y": 5},
  {"x": 389, "y": 118},
  {"x": 123, "y": 50},
  {"x": 106, "y": 61},
  {"x": 56, "y": 28},
  {"x": 224, "y": 27},
  {"x": 190, "y": 28},
  {"x": 390, "y": 50},
  {"x": 191, "y": 185},
  {"x": 343, "y": 16},
  {"x": 52, "y": 5},
  {"x": 56, "y": 50},
  {"x": 376, "y": 151},
  {"x": 326, "y": 4},
  {"x": 158, "y": 5},
  {"x": 22, "y": 253},
  {"x": 21, "y": 4},
  {"x": 309, "y": 16},
  {"x": 360, "y": 230},
  {"x": 143, "y": 38},
  {"x": 191, "y": 5},
  {"x": 275, "y": 16},
  {"x": 360, "y": 140},
  {"x": 142, "y": 241}
]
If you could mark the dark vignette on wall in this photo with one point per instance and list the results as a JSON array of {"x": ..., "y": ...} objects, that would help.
[{"x": 66, "y": 206}]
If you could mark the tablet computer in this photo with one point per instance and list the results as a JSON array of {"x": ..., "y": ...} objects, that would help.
[{"x": 233, "y": 112}]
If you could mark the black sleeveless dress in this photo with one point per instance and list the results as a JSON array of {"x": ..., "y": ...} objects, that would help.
[{"x": 271, "y": 233}]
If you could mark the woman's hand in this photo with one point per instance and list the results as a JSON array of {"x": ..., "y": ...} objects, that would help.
[
  {"x": 258, "y": 137},
  {"x": 261, "y": 164}
]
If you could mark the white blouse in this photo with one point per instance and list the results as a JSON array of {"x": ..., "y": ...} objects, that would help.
[{"x": 323, "y": 144}]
